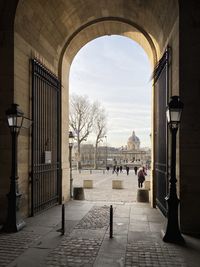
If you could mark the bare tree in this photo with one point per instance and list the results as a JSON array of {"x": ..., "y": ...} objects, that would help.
[
  {"x": 99, "y": 129},
  {"x": 81, "y": 118}
]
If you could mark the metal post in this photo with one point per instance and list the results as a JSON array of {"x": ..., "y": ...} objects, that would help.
[
  {"x": 173, "y": 233},
  {"x": 111, "y": 221},
  {"x": 63, "y": 219},
  {"x": 70, "y": 169},
  {"x": 14, "y": 221},
  {"x": 106, "y": 150}
]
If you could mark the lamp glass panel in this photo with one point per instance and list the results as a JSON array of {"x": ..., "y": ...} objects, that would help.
[
  {"x": 11, "y": 121},
  {"x": 70, "y": 144},
  {"x": 15, "y": 121},
  {"x": 19, "y": 121},
  {"x": 168, "y": 115},
  {"x": 71, "y": 139},
  {"x": 175, "y": 115}
]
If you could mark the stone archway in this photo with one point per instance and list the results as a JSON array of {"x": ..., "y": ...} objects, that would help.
[
  {"x": 55, "y": 32},
  {"x": 107, "y": 27}
]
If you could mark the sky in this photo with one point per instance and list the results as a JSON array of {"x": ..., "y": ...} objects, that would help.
[{"x": 116, "y": 71}]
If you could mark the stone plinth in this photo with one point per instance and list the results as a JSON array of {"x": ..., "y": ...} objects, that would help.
[
  {"x": 78, "y": 193},
  {"x": 117, "y": 184},
  {"x": 88, "y": 184},
  {"x": 142, "y": 195}
]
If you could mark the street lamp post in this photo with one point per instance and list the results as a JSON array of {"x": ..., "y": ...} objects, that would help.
[
  {"x": 173, "y": 234},
  {"x": 106, "y": 150},
  {"x": 14, "y": 221},
  {"x": 71, "y": 140},
  {"x": 122, "y": 149}
]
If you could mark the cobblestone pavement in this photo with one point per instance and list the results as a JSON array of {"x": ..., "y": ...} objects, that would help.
[
  {"x": 74, "y": 252},
  {"x": 97, "y": 217},
  {"x": 145, "y": 253},
  {"x": 78, "y": 251},
  {"x": 13, "y": 245}
]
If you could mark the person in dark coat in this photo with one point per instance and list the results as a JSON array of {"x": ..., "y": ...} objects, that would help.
[
  {"x": 117, "y": 170},
  {"x": 135, "y": 169},
  {"x": 141, "y": 177},
  {"x": 127, "y": 170},
  {"x": 114, "y": 168},
  {"x": 120, "y": 168}
]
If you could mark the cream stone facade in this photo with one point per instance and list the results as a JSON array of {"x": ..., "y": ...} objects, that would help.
[{"x": 54, "y": 31}]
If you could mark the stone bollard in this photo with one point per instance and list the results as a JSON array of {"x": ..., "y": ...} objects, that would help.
[
  {"x": 117, "y": 184},
  {"x": 88, "y": 184},
  {"x": 142, "y": 195},
  {"x": 79, "y": 193}
]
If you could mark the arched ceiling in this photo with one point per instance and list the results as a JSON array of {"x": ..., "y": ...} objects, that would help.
[
  {"x": 109, "y": 27},
  {"x": 51, "y": 26}
]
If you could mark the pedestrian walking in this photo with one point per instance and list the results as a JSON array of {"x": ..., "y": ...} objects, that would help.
[
  {"x": 107, "y": 168},
  {"x": 135, "y": 169},
  {"x": 120, "y": 168},
  {"x": 141, "y": 177},
  {"x": 117, "y": 170},
  {"x": 145, "y": 171},
  {"x": 127, "y": 170},
  {"x": 114, "y": 169}
]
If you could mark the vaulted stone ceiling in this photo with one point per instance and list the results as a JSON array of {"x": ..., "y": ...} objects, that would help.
[{"x": 52, "y": 26}]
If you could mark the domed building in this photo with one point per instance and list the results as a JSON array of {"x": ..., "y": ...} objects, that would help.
[
  {"x": 133, "y": 142},
  {"x": 133, "y": 154}
]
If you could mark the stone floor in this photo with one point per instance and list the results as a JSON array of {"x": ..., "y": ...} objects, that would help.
[
  {"x": 102, "y": 185},
  {"x": 136, "y": 238}
]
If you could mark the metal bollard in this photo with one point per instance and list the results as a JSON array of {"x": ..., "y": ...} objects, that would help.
[
  {"x": 62, "y": 229},
  {"x": 111, "y": 221},
  {"x": 90, "y": 171},
  {"x": 63, "y": 219}
]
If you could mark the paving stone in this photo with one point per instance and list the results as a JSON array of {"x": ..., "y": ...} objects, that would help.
[
  {"x": 74, "y": 252},
  {"x": 13, "y": 245},
  {"x": 97, "y": 217},
  {"x": 146, "y": 253}
]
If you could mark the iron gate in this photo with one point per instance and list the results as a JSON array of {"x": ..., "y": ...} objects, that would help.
[
  {"x": 45, "y": 173},
  {"x": 161, "y": 97}
]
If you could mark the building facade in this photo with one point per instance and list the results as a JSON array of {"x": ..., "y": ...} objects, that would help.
[{"x": 109, "y": 156}]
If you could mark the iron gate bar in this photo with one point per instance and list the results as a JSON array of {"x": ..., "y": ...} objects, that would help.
[
  {"x": 45, "y": 182},
  {"x": 161, "y": 83}
]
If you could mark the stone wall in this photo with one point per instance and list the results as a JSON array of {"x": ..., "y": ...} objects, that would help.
[{"x": 190, "y": 124}]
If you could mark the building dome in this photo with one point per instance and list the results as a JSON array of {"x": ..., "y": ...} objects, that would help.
[{"x": 133, "y": 142}]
